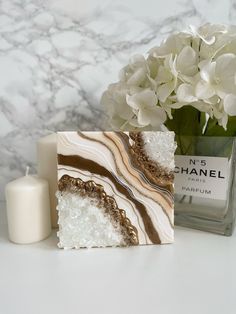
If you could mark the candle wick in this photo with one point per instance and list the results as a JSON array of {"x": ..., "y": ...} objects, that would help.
[{"x": 27, "y": 171}]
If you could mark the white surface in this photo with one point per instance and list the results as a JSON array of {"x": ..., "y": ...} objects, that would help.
[{"x": 196, "y": 274}]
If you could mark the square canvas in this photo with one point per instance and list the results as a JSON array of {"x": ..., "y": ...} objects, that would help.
[{"x": 115, "y": 188}]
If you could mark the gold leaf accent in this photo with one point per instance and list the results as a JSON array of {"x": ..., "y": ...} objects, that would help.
[
  {"x": 152, "y": 170},
  {"x": 96, "y": 191}
]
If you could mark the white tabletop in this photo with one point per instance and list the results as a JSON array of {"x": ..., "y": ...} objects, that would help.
[{"x": 196, "y": 274}]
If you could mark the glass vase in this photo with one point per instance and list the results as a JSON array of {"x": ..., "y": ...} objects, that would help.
[{"x": 205, "y": 196}]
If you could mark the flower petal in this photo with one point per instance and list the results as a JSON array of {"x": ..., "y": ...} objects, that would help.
[
  {"x": 173, "y": 44},
  {"x": 167, "y": 107},
  {"x": 202, "y": 106},
  {"x": 114, "y": 101},
  {"x": 164, "y": 90},
  {"x": 138, "y": 77},
  {"x": 135, "y": 73},
  {"x": 132, "y": 101},
  {"x": 226, "y": 73},
  {"x": 202, "y": 32},
  {"x": 207, "y": 70},
  {"x": 218, "y": 110},
  {"x": 223, "y": 121},
  {"x": 177, "y": 105},
  {"x": 224, "y": 63},
  {"x": 154, "y": 116},
  {"x": 118, "y": 123},
  {"x": 163, "y": 75},
  {"x": 157, "y": 116},
  {"x": 204, "y": 90},
  {"x": 143, "y": 117},
  {"x": 185, "y": 93},
  {"x": 145, "y": 98},
  {"x": 230, "y": 104},
  {"x": 187, "y": 61}
]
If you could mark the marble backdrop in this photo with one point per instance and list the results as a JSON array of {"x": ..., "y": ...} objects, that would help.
[{"x": 57, "y": 57}]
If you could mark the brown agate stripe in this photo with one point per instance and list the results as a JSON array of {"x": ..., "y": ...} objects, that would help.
[
  {"x": 154, "y": 171},
  {"x": 90, "y": 165},
  {"x": 118, "y": 162},
  {"x": 151, "y": 171},
  {"x": 96, "y": 191},
  {"x": 114, "y": 137}
]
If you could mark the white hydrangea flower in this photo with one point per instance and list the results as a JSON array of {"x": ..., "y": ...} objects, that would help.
[
  {"x": 144, "y": 105},
  {"x": 196, "y": 67},
  {"x": 114, "y": 101}
]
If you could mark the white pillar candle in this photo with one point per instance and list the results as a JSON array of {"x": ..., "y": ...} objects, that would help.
[
  {"x": 47, "y": 169},
  {"x": 28, "y": 209}
]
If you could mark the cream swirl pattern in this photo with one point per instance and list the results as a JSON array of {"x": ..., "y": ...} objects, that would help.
[{"x": 127, "y": 192}]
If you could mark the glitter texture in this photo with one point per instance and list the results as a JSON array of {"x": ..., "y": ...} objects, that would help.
[
  {"x": 160, "y": 147},
  {"x": 84, "y": 224}
]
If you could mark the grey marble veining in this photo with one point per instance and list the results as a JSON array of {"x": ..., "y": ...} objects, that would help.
[{"x": 57, "y": 57}]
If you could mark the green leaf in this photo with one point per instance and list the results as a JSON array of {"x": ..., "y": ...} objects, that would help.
[
  {"x": 214, "y": 129},
  {"x": 186, "y": 121},
  {"x": 221, "y": 145}
]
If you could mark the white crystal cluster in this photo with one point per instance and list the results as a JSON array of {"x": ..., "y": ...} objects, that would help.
[
  {"x": 160, "y": 147},
  {"x": 83, "y": 224}
]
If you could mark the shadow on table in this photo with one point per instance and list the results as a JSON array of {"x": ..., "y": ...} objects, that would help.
[
  {"x": 3, "y": 224},
  {"x": 3, "y": 233},
  {"x": 50, "y": 243}
]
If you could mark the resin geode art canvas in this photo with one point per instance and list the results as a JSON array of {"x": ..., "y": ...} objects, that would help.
[{"x": 115, "y": 188}]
